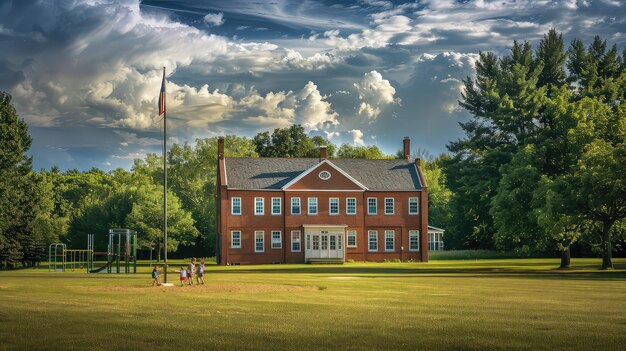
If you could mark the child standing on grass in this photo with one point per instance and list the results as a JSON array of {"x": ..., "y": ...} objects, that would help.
[
  {"x": 183, "y": 275},
  {"x": 155, "y": 276},
  {"x": 201, "y": 272},
  {"x": 191, "y": 270}
]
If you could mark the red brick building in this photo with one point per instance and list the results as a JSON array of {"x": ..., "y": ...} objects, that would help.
[{"x": 295, "y": 210}]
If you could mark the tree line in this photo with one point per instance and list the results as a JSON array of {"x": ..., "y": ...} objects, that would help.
[{"x": 540, "y": 168}]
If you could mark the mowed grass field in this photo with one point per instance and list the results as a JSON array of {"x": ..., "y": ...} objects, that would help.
[{"x": 510, "y": 304}]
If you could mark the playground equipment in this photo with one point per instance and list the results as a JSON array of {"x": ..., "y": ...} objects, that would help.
[
  {"x": 59, "y": 257},
  {"x": 116, "y": 254},
  {"x": 122, "y": 247}
]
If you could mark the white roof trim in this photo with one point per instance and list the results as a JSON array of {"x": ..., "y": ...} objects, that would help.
[
  {"x": 324, "y": 225},
  {"x": 435, "y": 229},
  {"x": 305, "y": 173}
]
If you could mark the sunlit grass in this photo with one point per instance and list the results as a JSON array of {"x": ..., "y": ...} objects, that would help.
[{"x": 474, "y": 304}]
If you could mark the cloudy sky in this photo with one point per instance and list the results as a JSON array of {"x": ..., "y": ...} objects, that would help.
[{"x": 85, "y": 75}]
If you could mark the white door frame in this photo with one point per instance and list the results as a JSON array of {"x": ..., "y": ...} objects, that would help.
[{"x": 324, "y": 235}]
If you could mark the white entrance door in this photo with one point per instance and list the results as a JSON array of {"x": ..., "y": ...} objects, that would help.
[{"x": 324, "y": 244}]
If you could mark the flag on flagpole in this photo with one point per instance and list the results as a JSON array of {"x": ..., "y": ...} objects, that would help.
[{"x": 162, "y": 95}]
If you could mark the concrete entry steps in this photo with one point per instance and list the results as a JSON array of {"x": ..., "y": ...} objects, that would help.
[{"x": 325, "y": 261}]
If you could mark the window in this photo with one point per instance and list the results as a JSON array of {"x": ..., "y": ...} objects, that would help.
[
  {"x": 276, "y": 205},
  {"x": 389, "y": 240},
  {"x": 414, "y": 240},
  {"x": 351, "y": 206},
  {"x": 324, "y": 245},
  {"x": 308, "y": 242},
  {"x": 333, "y": 207},
  {"x": 372, "y": 205},
  {"x": 235, "y": 239},
  {"x": 351, "y": 238},
  {"x": 373, "y": 240},
  {"x": 413, "y": 206},
  {"x": 389, "y": 205},
  {"x": 235, "y": 206},
  {"x": 435, "y": 241},
  {"x": 295, "y": 205},
  {"x": 324, "y": 175},
  {"x": 259, "y": 243},
  {"x": 339, "y": 242},
  {"x": 316, "y": 242},
  {"x": 277, "y": 242},
  {"x": 259, "y": 205},
  {"x": 312, "y": 206},
  {"x": 295, "y": 241},
  {"x": 333, "y": 242}
]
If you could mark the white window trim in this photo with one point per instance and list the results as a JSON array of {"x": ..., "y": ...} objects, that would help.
[
  {"x": 280, "y": 237},
  {"x": 369, "y": 249},
  {"x": 375, "y": 207},
  {"x": 299, "y": 240},
  {"x": 280, "y": 205},
  {"x": 329, "y": 206},
  {"x": 232, "y": 206},
  {"x": 262, "y": 240},
  {"x": 433, "y": 240},
  {"x": 347, "y": 213},
  {"x": 232, "y": 245},
  {"x": 393, "y": 207},
  {"x": 418, "y": 206},
  {"x": 418, "y": 240},
  {"x": 393, "y": 238},
  {"x": 300, "y": 205},
  {"x": 262, "y": 206},
  {"x": 308, "y": 206},
  {"x": 356, "y": 240}
]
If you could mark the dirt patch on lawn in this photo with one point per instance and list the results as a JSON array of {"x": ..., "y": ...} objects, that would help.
[{"x": 208, "y": 288}]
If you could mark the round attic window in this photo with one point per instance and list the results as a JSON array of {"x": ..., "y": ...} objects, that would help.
[{"x": 324, "y": 175}]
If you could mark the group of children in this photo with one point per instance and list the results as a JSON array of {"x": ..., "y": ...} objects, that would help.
[{"x": 186, "y": 275}]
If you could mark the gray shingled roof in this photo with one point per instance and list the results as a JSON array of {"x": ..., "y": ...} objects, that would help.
[{"x": 274, "y": 173}]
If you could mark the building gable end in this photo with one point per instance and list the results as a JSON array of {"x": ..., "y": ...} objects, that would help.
[{"x": 324, "y": 176}]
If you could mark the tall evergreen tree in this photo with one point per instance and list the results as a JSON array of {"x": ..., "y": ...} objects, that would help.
[
  {"x": 19, "y": 190},
  {"x": 576, "y": 61},
  {"x": 553, "y": 57}
]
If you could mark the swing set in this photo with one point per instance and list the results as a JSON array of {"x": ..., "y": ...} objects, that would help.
[{"x": 122, "y": 248}]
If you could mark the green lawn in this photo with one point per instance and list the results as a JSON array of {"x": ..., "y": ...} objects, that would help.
[{"x": 454, "y": 305}]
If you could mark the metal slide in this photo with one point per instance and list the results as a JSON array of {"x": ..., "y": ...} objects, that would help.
[{"x": 100, "y": 269}]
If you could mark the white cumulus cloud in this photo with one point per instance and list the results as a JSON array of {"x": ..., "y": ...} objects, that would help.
[
  {"x": 214, "y": 19},
  {"x": 280, "y": 109},
  {"x": 109, "y": 72},
  {"x": 313, "y": 111},
  {"x": 375, "y": 92},
  {"x": 357, "y": 137}
]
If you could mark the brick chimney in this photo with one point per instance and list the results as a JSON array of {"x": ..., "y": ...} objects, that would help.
[
  {"x": 323, "y": 153},
  {"x": 407, "y": 148},
  {"x": 220, "y": 148}
]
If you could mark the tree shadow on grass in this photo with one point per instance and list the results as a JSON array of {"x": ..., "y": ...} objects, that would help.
[{"x": 432, "y": 272}]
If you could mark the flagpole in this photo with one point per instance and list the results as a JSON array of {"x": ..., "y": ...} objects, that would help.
[{"x": 165, "y": 185}]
